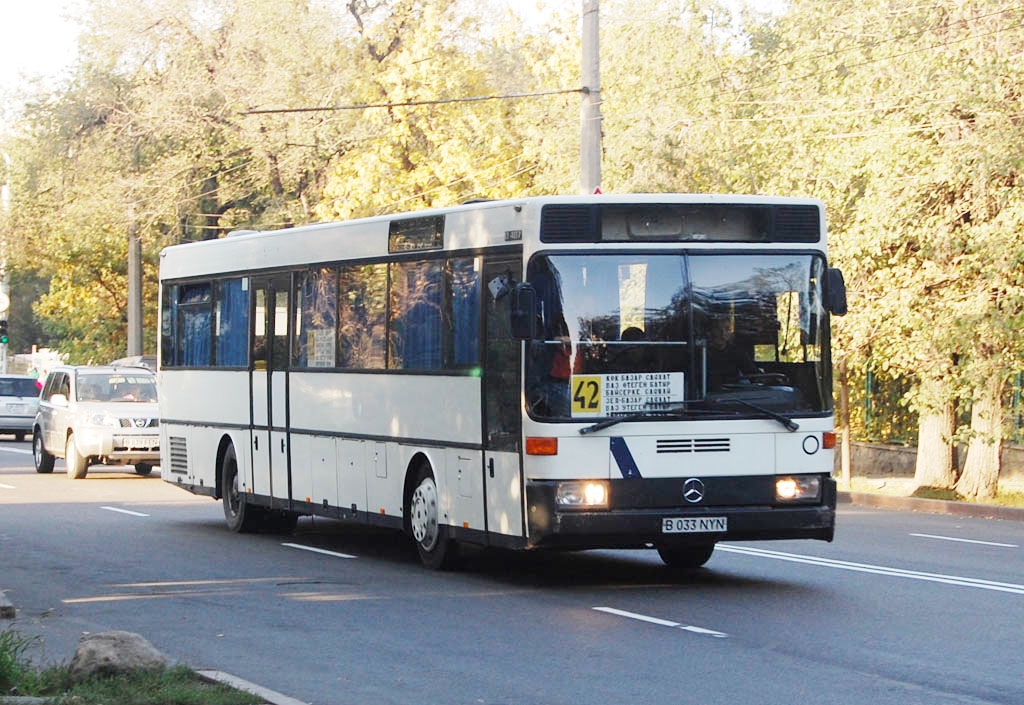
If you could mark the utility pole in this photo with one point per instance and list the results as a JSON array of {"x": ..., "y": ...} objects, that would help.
[
  {"x": 5, "y": 289},
  {"x": 134, "y": 290},
  {"x": 590, "y": 110}
]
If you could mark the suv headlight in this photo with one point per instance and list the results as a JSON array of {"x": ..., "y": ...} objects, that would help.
[
  {"x": 798, "y": 488},
  {"x": 103, "y": 420}
]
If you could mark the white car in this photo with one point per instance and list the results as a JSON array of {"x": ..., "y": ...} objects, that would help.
[
  {"x": 19, "y": 401},
  {"x": 97, "y": 415}
]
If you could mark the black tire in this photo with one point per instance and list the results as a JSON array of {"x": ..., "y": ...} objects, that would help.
[
  {"x": 43, "y": 460},
  {"x": 143, "y": 468},
  {"x": 19, "y": 436},
  {"x": 436, "y": 550},
  {"x": 685, "y": 559},
  {"x": 78, "y": 464},
  {"x": 241, "y": 516}
]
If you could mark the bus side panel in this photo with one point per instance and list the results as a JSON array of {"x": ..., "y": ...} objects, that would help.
[
  {"x": 323, "y": 460},
  {"x": 351, "y": 478},
  {"x": 465, "y": 488},
  {"x": 197, "y": 420},
  {"x": 504, "y": 494},
  {"x": 302, "y": 469},
  {"x": 381, "y": 473},
  {"x": 438, "y": 409}
]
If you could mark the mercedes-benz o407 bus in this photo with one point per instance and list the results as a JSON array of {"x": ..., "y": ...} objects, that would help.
[{"x": 641, "y": 371}]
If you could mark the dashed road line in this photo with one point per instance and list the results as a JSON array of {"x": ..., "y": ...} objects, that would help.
[
  {"x": 125, "y": 511},
  {"x": 951, "y": 538},
  {"x": 19, "y": 451},
  {"x": 957, "y": 580},
  {"x": 318, "y": 550},
  {"x": 662, "y": 622},
  {"x": 7, "y": 487}
]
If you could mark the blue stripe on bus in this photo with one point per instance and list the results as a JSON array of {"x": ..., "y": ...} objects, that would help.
[{"x": 623, "y": 458}]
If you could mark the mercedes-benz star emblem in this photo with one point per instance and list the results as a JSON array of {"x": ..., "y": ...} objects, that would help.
[{"x": 693, "y": 490}]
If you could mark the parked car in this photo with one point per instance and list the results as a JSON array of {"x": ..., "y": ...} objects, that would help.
[
  {"x": 19, "y": 401},
  {"x": 97, "y": 415}
]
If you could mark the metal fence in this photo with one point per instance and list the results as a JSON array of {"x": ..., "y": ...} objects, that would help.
[{"x": 879, "y": 411}]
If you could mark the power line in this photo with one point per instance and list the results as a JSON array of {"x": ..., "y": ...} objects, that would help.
[{"x": 410, "y": 103}]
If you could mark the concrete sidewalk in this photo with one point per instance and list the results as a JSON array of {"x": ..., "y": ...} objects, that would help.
[{"x": 932, "y": 506}]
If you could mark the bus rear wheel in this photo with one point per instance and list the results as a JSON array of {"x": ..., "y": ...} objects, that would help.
[
  {"x": 685, "y": 559},
  {"x": 241, "y": 516},
  {"x": 436, "y": 550}
]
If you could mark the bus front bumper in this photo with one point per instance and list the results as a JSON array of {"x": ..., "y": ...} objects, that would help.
[{"x": 639, "y": 526}]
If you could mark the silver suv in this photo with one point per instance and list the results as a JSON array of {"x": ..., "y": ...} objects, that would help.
[{"x": 97, "y": 415}]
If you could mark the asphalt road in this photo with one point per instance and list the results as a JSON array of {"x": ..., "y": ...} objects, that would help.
[{"x": 901, "y": 608}]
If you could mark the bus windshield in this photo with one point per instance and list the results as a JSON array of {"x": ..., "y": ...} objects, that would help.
[{"x": 624, "y": 333}]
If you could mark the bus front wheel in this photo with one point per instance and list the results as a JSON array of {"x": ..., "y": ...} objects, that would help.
[
  {"x": 685, "y": 558},
  {"x": 436, "y": 550},
  {"x": 241, "y": 516}
]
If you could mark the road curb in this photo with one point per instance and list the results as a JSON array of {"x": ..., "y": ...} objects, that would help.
[
  {"x": 6, "y": 607},
  {"x": 933, "y": 506},
  {"x": 271, "y": 696}
]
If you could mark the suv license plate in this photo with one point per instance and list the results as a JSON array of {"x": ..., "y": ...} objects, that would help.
[{"x": 701, "y": 525}]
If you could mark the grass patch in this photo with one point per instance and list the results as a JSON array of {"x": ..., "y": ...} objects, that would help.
[
  {"x": 937, "y": 493},
  {"x": 177, "y": 685}
]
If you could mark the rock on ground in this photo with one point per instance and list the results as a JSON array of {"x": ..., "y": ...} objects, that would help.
[{"x": 114, "y": 652}]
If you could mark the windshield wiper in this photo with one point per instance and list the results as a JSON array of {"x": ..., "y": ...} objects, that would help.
[
  {"x": 669, "y": 411},
  {"x": 781, "y": 418}
]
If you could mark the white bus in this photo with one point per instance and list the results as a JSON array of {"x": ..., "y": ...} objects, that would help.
[{"x": 641, "y": 371}]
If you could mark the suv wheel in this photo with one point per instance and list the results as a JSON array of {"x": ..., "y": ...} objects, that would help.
[
  {"x": 77, "y": 464},
  {"x": 43, "y": 460}
]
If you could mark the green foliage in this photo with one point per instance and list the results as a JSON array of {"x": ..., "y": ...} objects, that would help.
[
  {"x": 904, "y": 118},
  {"x": 13, "y": 667}
]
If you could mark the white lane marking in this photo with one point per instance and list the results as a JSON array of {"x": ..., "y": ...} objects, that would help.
[
  {"x": 950, "y": 538},
  {"x": 660, "y": 622},
  {"x": 125, "y": 511},
  {"x": 317, "y": 550},
  {"x": 702, "y": 630},
  {"x": 20, "y": 451},
  {"x": 877, "y": 569},
  {"x": 8, "y": 487},
  {"x": 271, "y": 696}
]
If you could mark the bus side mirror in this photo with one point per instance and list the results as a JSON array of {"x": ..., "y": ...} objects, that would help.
[
  {"x": 836, "y": 292},
  {"x": 524, "y": 312}
]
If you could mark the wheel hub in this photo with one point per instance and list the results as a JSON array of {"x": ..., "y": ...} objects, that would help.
[{"x": 424, "y": 514}]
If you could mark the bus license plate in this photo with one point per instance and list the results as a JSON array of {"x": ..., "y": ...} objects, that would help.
[{"x": 698, "y": 525}]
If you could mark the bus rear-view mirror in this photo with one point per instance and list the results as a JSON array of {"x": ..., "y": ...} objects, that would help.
[
  {"x": 524, "y": 312},
  {"x": 836, "y": 292}
]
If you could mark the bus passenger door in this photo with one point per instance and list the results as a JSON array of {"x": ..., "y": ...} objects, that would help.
[
  {"x": 502, "y": 405},
  {"x": 268, "y": 385},
  {"x": 259, "y": 444}
]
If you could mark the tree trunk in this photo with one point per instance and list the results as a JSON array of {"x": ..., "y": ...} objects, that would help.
[
  {"x": 935, "y": 461},
  {"x": 981, "y": 470}
]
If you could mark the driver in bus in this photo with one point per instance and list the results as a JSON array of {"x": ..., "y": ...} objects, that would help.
[{"x": 729, "y": 360}]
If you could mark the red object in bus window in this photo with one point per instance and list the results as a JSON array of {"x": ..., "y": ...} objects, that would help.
[{"x": 560, "y": 362}]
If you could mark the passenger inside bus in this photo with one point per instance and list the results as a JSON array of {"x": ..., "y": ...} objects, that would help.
[{"x": 552, "y": 362}]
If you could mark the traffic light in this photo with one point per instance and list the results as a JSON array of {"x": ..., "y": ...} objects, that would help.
[{"x": 3, "y": 331}]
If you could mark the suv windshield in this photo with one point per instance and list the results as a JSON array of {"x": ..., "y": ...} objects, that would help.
[
  {"x": 18, "y": 388},
  {"x": 625, "y": 333},
  {"x": 116, "y": 387}
]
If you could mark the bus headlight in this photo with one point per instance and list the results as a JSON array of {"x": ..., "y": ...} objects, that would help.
[
  {"x": 582, "y": 494},
  {"x": 797, "y": 488}
]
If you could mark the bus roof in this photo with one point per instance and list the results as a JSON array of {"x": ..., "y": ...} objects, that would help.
[{"x": 468, "y": 226}]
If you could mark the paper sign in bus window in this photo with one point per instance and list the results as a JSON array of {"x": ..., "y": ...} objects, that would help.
[{"x": 618, "y": 394}]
